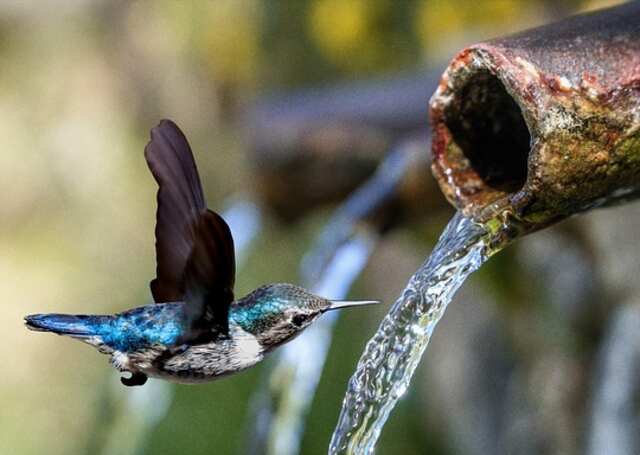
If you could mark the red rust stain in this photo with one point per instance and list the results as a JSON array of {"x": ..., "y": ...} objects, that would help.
[
  {"x": 610, "y": 137},
  {"x": 528, "y": 93},
  {"x": 601, "y": 156},
  {"x": 589, "y": 79},
  {"x": 444, "y": 82},
  {"x": 441, "y": 138},
  {"x": 463, "y": 58},
  {"x": 556, "y": 84}
]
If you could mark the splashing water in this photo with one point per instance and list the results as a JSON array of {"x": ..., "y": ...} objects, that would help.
[{"x": 392, "y": 355}]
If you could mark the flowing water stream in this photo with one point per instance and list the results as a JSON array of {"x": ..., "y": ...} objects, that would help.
[{"x": 392, "y": 355}]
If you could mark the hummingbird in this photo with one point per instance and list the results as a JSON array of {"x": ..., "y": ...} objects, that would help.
[{"x": 196, "y": 331}]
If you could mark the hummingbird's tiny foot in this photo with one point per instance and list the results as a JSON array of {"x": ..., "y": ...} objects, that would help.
[{"x": 135, "y": 379}]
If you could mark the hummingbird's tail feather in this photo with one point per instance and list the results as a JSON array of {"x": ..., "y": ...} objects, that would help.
[{"x": 66, "y": 324}]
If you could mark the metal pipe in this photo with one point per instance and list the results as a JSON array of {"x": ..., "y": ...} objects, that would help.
[{"x": 544, "y": 123}]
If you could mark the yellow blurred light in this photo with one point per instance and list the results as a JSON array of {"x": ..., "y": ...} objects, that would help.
[
  {"x": 598, "y": 4},
  {"x": 230, "y": 39},
  {"x": 435, "y": 20},
  {"x": 442, "y": 24},
  {"x": 496, "y": 12},
  {"x": 339, "y": 27}
]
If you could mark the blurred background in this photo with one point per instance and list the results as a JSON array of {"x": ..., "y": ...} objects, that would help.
[{"x": 540, "y": 351}]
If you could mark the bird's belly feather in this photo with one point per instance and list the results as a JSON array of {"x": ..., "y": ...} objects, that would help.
[{"x": 198, "y": 363}]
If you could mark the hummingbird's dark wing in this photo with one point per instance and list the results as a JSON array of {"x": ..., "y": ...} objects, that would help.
[
  {"x": 180, "y": 203},
  {"x": 194, "y": 248},
  {"x": 210, "y": 274}
]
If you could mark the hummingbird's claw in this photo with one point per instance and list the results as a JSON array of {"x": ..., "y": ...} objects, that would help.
[{"x": 135, "y": 379}]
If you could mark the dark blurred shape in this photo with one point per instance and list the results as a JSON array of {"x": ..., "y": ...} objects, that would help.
[
  {"x": 317, "y": 146},
  {"x": 543, "y": 122}
]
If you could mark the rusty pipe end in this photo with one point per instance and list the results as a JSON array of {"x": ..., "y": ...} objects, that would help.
[{"x": 545, "y": 123}]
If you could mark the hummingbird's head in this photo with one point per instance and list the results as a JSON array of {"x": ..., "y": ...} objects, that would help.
[{"x": 276, "y": 313}]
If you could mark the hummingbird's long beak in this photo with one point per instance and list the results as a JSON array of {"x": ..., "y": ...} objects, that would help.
[{"x": 339, "y": 304}]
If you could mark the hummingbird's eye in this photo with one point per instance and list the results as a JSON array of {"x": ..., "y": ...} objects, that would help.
[{"x": 298, "y": 319}]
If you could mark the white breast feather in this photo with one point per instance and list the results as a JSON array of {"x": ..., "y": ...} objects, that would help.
[{"x": 247, "y": 348}]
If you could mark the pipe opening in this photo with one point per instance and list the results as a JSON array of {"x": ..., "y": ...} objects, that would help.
[{"x": 487, "y": 125}]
